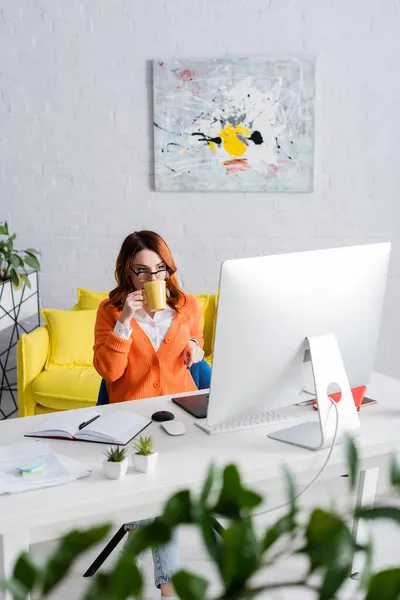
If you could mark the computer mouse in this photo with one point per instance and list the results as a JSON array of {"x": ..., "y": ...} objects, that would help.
[
  {"x": 174, "y": 427},
  {"x": 162, "y": 415}
]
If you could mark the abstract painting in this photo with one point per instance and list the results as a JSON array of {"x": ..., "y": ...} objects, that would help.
[{"x": 244, "y": 125}]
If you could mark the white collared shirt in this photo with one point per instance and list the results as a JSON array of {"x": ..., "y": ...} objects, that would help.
[{"x": 155, "y": 328}]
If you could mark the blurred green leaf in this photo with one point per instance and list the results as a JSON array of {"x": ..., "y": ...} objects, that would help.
[
  {"x": 26, "y": 280},
  {"x": 17, "y": 590},
  {"x": 189, "y": 586},
  {"x": 32, "y": 251},
  {"x": 211, "y": 539},
  {"x": 178, "y": 509},
  {"x": 352, "y": 461},
  {"x": 28, "y": 570},
  {"x": 234, "y": 498},
  {"x": 395, "y": 471},
  {"x": 285, "y": 525},
  {"x": 249, "y": 594},
  {"x": 16, "y": 261},
  {"x": 3, "y": 228},
  {"x": 70, "y": 547},
  {"x": 384, "y": 585},
  {"x": 334, "y": 577},
  {"x": 330, "y": 546},
  {"x": 208, "y": 483},
  {"x": 271, "y": 536},
  {"x": 391, "y": 513},
  {"x": 240, "y": 554},
  {"x": 32, "y": 261},
  {"x": 291, "y": 487},
  {"x": 100, "y": 588},
  {"x": 126, "y": 580},
  {"x": 15, "y": 278}
]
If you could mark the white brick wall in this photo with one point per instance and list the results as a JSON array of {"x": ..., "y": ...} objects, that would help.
[{"x": 75, "y": 141}]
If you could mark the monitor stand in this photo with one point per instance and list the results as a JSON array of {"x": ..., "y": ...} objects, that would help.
[{"x": 327, "y": 368}]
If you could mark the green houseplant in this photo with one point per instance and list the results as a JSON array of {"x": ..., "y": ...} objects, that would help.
[
  {"x": 18, "y": 271},
  {"x": 239, "y": 553},
  {"x": 144, "y": 458},
  {"x": 116, "y": 464},
  {"x": 15, "y": 264}
]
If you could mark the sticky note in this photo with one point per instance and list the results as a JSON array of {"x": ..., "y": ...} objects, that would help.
[{"x": 31, "y": 470}]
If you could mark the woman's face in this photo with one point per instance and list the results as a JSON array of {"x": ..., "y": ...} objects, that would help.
[{"x": 146, "y": 262}]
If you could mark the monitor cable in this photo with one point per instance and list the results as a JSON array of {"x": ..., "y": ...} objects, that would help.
[{"x": 317, "y": 476}]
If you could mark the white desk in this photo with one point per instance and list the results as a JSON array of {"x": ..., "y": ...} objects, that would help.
[{"x": 45, "y": 514}]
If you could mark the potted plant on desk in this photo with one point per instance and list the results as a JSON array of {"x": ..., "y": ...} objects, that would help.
[
  {"x": 144, "y": 459},
  {"x": 116, "y": 464}
]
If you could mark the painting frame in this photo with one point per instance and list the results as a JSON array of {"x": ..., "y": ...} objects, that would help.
[{"x": 234, "y": 124}]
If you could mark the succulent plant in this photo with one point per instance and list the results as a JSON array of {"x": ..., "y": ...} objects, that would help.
[
  {"x": 115, "y": 454},
  {"x": 144, "y": 446}
]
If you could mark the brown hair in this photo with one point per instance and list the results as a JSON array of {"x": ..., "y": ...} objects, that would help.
[{"x": 134, "y": 243}]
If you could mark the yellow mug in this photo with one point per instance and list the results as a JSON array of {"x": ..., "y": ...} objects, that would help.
[{"x": 156, "y": 294}]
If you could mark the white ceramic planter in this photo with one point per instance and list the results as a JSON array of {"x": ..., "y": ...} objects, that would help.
[
  {"x": 13, "y": 308},
  {"x": 144, "y": 464},
  {"x": 115, "y": 470}
]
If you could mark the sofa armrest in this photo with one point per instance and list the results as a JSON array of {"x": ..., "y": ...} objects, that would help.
[{"x": 32, "y": 351}]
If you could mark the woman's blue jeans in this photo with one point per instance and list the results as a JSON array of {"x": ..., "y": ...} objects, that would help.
[{"x": 165, "y": 558}]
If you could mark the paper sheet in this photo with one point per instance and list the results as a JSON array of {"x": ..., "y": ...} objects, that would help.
[{"x": 58, "y": 469}]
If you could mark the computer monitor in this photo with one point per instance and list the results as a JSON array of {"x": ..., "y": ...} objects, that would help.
[{"x": 267, "y": 308}]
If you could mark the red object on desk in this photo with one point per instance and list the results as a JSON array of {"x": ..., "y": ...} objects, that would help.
[{"x": 358, "y": 395}]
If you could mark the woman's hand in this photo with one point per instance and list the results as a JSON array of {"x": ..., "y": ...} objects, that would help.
[
  {"x": 192, "y": 354},
  {"x": 134, "y": 301}
]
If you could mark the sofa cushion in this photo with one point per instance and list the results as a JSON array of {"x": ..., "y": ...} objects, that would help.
[
  {"x": 202, "y": 300},
  {"x": 65, "y": 389},
  {"x": 71, "y": 337},
  {"x": 89, "y": 300},
  {"x": 207, "y": 303}
]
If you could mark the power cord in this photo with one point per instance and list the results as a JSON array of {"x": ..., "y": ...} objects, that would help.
[{"x": 264, "y": 512}]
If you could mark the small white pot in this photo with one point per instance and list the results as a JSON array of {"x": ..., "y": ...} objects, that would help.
[
  {"x": 115, "y": 470},
  {"x": 144, "y": 464}
]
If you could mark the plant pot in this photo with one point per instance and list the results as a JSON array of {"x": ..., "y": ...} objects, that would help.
[
  {"x": 144, "y": 464},
  {"x": 19, "y": 313},
  {"x": 115, "y": 470},
  {"x": 20, "y": 304}
]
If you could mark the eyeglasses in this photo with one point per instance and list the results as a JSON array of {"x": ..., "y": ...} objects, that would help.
[{"x": 144, "y": 275}]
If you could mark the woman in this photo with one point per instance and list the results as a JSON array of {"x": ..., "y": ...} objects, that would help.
[
  {"x": 141, "y": 354},
  {"x": 132, "y": 367}
]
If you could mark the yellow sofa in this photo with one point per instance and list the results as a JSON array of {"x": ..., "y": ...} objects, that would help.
[{"x": 54, "y": 362}]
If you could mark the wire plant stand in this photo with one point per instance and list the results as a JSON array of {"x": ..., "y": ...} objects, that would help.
[{"x": 13, "y": 323}]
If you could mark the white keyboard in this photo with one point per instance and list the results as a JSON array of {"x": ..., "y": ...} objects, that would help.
[{"x": 268, "y": 417}]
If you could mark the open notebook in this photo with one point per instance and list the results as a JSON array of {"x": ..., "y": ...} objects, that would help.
[{"x": 114, "y": 427}]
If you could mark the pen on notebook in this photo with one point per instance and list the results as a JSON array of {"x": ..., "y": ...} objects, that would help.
[{"x": 86, "y": 423}]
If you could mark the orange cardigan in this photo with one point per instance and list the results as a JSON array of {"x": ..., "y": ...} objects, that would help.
[{"x": 132, "y": 368}]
